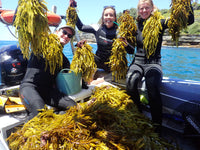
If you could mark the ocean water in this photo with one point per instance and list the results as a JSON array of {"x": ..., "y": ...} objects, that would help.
[{"x": 179, "y": 63}]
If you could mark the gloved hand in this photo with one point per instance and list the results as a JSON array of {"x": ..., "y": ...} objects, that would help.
[
  {"x": 72, "y": 3},
  {"x": 124, "y": 40}
]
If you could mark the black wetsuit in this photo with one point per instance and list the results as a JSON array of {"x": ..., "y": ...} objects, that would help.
[
  {"x": 150, "y": 69},
  {"x": 39, "y": 88},
  {"x": 104, "y": 38}
]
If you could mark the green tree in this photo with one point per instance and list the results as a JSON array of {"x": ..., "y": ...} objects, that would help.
[{"x": 196, "y": 6}]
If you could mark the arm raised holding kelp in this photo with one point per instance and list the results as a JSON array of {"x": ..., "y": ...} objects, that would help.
[
  {"x": 104, "y": 34},
  {"x": 181, "y": 16}
]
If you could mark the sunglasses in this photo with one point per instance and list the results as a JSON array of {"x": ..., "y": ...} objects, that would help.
[
  {"x": 66, "y": 33},
  {"x": 110, "y": 6}
]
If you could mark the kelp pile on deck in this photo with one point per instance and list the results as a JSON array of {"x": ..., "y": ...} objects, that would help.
[
  {"x": 110, "y": 122},
  {"x": 126, "y": 30}
]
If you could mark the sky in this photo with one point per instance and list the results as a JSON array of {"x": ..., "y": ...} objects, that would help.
[{"x": 89, "y": 11}]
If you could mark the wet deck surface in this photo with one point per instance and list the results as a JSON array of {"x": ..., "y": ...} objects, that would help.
[
  {"x": 179, "y": 133},
  {"x": 183, "y": 141}
]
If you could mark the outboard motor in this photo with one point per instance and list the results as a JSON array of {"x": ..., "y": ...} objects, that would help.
[{"x": 12, "y": 65}]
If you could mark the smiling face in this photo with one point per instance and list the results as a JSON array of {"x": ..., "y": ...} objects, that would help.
[
  {"x": 145, "y": 9},
  {"x": 64, "y": 35},
  {"x": 108, "y": 17}
]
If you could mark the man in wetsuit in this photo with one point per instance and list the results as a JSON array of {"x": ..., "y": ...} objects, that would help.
[{"x": 39, "y": 85}]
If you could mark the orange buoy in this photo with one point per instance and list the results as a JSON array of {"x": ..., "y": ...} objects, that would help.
[
  {"x": 53, "y": 19},
  {"x": 6, "y": 16}
]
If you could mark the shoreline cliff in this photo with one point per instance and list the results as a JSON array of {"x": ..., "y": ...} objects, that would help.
[{"x": 184, "y": 40}]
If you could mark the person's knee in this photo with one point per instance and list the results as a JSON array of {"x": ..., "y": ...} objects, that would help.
[
  {"x": 153, "y": 78},
  {"x": 132, "y": 80}
]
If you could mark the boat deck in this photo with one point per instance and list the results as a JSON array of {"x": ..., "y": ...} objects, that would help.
[{"x": 170, "y": 130}]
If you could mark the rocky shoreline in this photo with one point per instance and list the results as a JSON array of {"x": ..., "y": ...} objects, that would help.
[{"x": 184, "y": 40}]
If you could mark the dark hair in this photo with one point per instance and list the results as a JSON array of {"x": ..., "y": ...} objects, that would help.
[
  {"x": 107, "y": 7},
  {"x": 124, "y": 11}
]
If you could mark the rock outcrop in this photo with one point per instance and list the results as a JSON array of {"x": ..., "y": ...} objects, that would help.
[{"x": 184, "y": 40}]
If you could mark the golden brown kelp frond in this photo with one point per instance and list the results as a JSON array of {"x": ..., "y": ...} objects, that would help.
[
  {"x": 127, "y": 28},
  {"x": 178, "y": 21},
  {"x": 152, "y": 28},
  {"x": 52, "y": 52},
  {"x": 31, "y": 132},
  {"x": 71, "y": 16},
  {"x": 118, "y": 61},
  {"x": 83, "y": 62},
  {"x": 30, "y": 23},
  {"x": 34, "y": 34}
]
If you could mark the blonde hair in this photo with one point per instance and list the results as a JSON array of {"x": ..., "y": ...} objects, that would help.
[{"x": 146, "y": 1}]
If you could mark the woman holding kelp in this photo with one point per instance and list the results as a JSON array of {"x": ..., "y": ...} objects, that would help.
[{"x": 147, "y": 61}]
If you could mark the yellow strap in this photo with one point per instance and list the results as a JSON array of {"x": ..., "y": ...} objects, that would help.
[
  {"x": 11, "y": 104},
  {"x": 15, "y": 100},
  {"x": 14, "y": 108}
]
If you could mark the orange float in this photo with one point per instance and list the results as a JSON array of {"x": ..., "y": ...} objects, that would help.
[
  {"x": 6, "y": 16},
  {"x": 53, "y": 19}
]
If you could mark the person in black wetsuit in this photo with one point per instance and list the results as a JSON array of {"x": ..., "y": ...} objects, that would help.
[
  {"x": 148, "y": 67},
  {"x": 104, "y": 35},
  {"x": 38, "y": 86}
]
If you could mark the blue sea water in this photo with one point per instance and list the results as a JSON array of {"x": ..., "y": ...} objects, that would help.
[{"x": 179, "y": 63}]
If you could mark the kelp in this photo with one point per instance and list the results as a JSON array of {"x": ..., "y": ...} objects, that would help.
[
  {"x": 151, "y": 30},
  {"x": 180, "y": 10},
  {"x": 127, "y": 28},
  {"x": 71, "y": 16},
  {"x": 52, "y": 52},
  {"x": 118, "y": 61},
  {"x": 71, "y": 19},
  {"x": 112, "y": 121},
  {"x": 83, "y": 62},
  {"x": 34, "y": 35},
  {"x": 31, "y": 25}
]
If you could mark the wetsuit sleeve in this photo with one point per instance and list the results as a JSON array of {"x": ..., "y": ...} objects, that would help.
[
  {"x": 66, "y": 63},
  {"x": 84, "y": 28},
  {"x": 130, "y": 49},
  {"x": 191, "y": 16}
]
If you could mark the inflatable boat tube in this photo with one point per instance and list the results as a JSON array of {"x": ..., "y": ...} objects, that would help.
[{"x": 6, "y": 16}]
